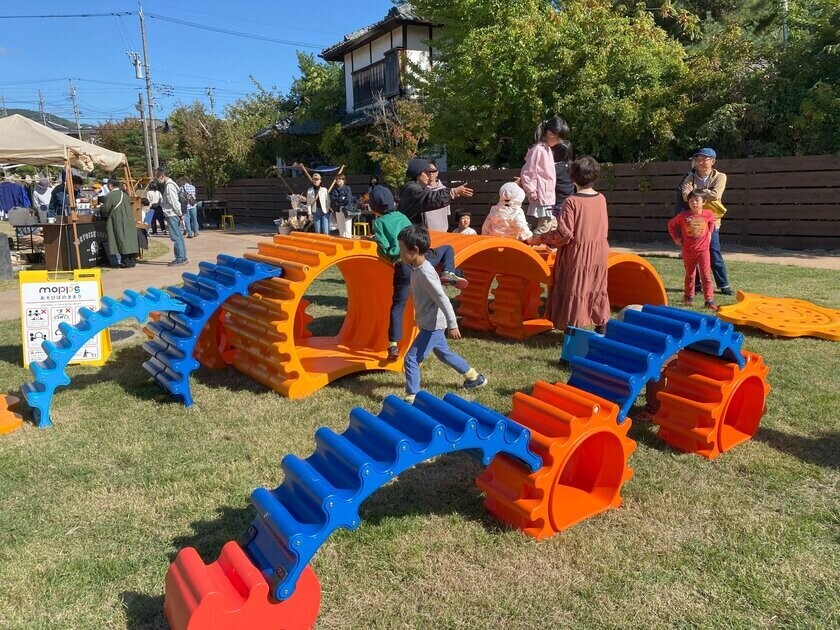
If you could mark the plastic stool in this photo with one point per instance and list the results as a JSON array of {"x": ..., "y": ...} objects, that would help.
[
  {"x": 361, "y": 229},
  {"x": 227, "y": 219}
]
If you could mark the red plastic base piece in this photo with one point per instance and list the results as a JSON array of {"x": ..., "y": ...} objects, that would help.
[{"x": 232, "y": 594}]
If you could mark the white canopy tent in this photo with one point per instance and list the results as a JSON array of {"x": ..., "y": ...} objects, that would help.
[{"x": 24, "y": 140}]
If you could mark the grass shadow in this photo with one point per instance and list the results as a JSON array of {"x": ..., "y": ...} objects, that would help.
[
  {"x": 12, "y": 355},
  {"x": 230, "y": 378},
  {"x": 822, "y": 451},
  {"x": 209, "y": 536},
  {"x": 143, "y": 611},
  {"x": 443, "y": 486}
]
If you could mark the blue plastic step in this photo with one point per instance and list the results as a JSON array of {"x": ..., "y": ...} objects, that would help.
[
  {"x": 634, "y": 351},
  {"x": 323, "y": 492}
]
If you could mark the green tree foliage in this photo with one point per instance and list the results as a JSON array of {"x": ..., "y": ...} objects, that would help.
[
  {"x": 504, "y": 65},
  {"x": 397, "y": 131},
  {"x": 206, "y": 148},
  {"x": 247, "y": 116},
  {"x": 127, "y": 137}
]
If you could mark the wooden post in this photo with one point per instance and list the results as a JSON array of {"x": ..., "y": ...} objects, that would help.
[{"x": 74, "y": 217}]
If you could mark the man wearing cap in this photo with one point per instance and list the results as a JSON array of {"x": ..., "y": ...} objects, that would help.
[
  {"x": 711, "y": 183},
  {"x": 416, "y": 198}
]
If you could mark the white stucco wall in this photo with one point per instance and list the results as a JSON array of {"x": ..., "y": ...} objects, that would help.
[{"x": 380, "y": 46}]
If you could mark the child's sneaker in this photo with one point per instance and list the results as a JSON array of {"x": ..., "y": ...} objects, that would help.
[
  {"x": 478, "y": 381},
  {"x": 711, "y": 306},
  {"x": 688, "y": 301},
  {"x": 393, "y": 353},
  {"x": 449, "y": 277},
  {"x": 409, "y": 398}
]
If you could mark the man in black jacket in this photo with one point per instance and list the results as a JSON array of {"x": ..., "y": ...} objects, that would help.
[{"x": 416, "y": 198}]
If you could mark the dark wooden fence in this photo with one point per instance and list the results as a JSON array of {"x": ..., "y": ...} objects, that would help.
[{"x": 791, "y": 202}]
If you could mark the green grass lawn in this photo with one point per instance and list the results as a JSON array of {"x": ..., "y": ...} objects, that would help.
[{"x": 95, "y": 508}]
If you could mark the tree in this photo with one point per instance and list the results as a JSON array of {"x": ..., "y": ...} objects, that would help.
[
  {"x": 397, "y": 131},
  {"x": 206, "y": 146},
  {"x": 502, "y": 66},
  {"x": 249, "y": 115}
]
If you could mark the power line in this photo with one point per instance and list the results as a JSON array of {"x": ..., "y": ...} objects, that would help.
[
  {"x": 67, "y": 15},
  {"x": 235, "y": 33},
  {"x": 164, "y": 18}
]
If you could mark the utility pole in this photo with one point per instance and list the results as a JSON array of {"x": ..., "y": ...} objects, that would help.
[
  {"x": 5, "y": 113},
  {"x": 140, "y": 108},
  {"x": 41, "y": 108},
  {"x": 75, "y": 108},
  {"x": 152, "y": 124},
  {"x": 211, "y": 92}
]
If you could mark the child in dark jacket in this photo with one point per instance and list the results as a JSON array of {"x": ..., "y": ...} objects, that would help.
[
  {"x": 386, "y": 228},
  {"x": 691, "y": 231}
]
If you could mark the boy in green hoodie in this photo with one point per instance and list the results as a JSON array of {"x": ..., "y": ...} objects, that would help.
[{"x": 386, "y": 229}]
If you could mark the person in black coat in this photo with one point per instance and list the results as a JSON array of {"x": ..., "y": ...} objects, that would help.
[{"x": 416, "y": 198}]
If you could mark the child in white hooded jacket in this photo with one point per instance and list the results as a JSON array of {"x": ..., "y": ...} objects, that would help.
[{"x": 507, "y": 218}]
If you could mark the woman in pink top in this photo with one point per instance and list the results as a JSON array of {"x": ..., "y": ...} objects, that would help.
[{"x": 538, "y": 176}]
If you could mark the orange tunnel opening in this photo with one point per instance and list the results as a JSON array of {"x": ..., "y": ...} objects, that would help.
[
  {"x": 590, "y": 480},
  {"x": 743, "y": 413}
]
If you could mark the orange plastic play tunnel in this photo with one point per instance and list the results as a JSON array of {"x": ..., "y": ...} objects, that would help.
[
  {"x": 632, "y": 280},
  {"x": 506, "y": 282},
  {"x": 232, "y": 594},
  {"x": 584, "y": 452},
  {"x": 708, "y": 405},
  {"x": 266, "y": 336}
]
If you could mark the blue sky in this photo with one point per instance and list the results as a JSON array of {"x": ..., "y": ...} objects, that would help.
[{"x": 43, "y": 53}]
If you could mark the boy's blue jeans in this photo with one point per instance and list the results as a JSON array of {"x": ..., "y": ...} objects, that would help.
[
  {"x": 443, "y": 257},
  {"x": 429, "y": 341}
]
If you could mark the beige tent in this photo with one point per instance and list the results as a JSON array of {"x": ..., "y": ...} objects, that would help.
[{"x": 26, "y": 141}]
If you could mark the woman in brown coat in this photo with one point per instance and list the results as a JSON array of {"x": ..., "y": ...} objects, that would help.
[{"x": 579, "y": 296}]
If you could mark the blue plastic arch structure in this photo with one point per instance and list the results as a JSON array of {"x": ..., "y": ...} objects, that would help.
[
  {"x": 323, "y": 492},
  {"x": 50, "y": 373},
  {"x": 176, "y": 334},
  {"x": 618, "y": 364}
]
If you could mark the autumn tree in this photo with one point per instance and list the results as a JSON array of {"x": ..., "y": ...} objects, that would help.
[{"x": 398, "y": 129}]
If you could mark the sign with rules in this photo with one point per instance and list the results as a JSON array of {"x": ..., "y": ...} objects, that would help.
[{"x": 48, "y": 299}]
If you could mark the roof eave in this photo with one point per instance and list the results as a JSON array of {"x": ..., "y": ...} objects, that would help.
[{"x": 337, "y": 51}]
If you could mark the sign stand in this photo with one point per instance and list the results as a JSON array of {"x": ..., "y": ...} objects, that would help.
[{"x": 49, "y": 298}]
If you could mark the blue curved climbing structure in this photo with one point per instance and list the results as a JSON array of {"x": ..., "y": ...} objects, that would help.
[
  {"x": 323, "y": 492},
  {"x": 176, "y": 334},
  {"x": 618, "y": 365},
  {"x": 50, "y": 374}
]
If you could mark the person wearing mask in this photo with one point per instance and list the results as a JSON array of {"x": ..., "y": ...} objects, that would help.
[
  {"x": 60, "y": 203},
  {"x": 437, "y": 220},
  {"x": 318, "y": 205},
  {"x": 122, "y": 232},
  {"x": 171, "y": 204},
  {"x": 417, "y": 198}
]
